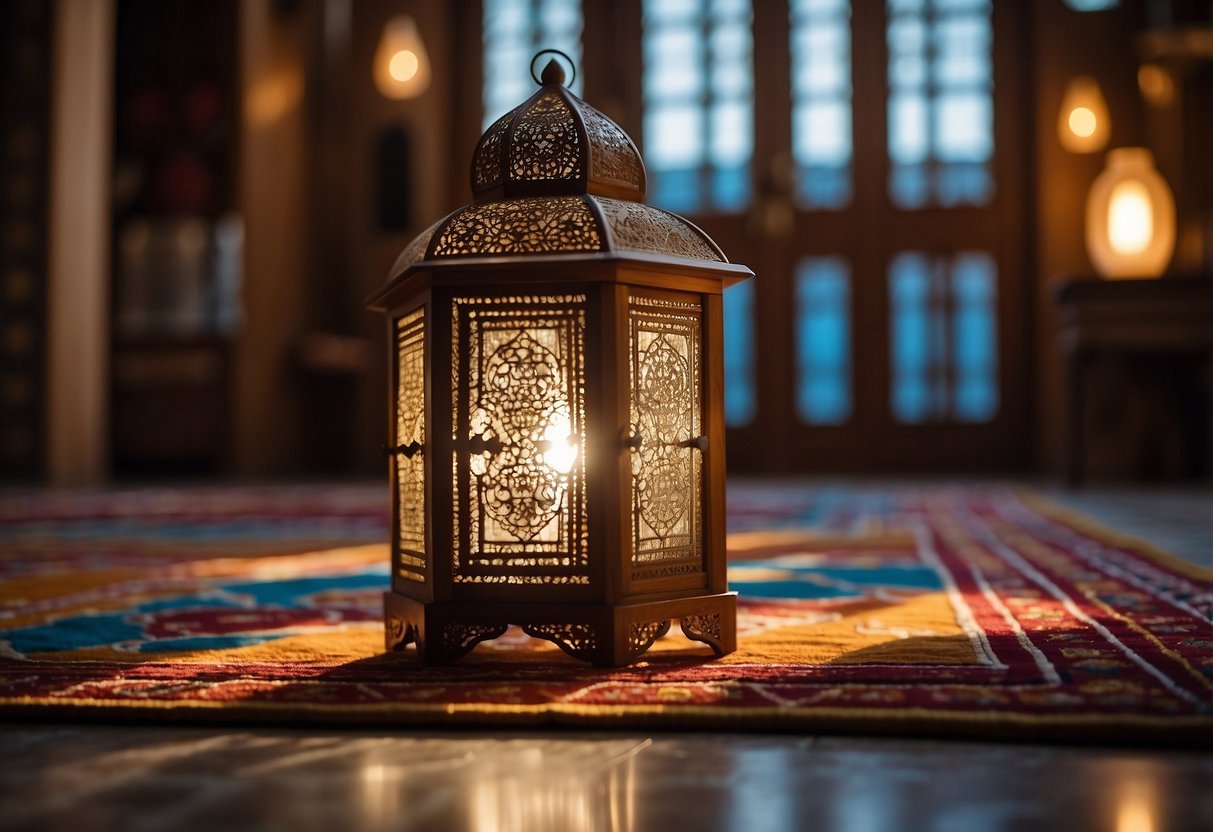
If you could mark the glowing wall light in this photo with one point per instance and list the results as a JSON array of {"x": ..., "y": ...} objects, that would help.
[
  {"x": 401, "y": 65},
  {"x": 1130, "y": 217},
  {"x": 1083, "y": 125}
]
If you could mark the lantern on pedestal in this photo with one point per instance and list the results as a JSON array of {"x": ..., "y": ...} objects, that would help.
[{"x": 557, "y": 403}]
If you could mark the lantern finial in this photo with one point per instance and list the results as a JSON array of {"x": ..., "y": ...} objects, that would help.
[{"x": 553, "y": 72}]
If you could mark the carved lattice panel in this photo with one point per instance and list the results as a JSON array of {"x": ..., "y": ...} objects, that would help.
[
  {"x": 530, "y": 225},
  {"x": 486, "y": 164},
  {"x": 638, "y": 227},
  {"x": 519, "y": 417},
  {"x": 614, "y": 158},
  {"x": 665, "y": 342},
  {"x": 410, "y": 432},
  {"x": 546, "y": 144}
]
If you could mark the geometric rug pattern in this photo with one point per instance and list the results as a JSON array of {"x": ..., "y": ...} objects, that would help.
[{"x": 976, "y": 612}]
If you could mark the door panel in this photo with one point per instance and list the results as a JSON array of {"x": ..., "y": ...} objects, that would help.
[{"x": 865, "y": 159}]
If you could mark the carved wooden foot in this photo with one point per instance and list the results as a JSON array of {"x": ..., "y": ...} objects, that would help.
[
  {"x": 404, "y": 623},
  {"x": 643, "y": 635},
  {"x": 454, "y": 639},
  {"x": 711, "y": 630},
  {"x": 580, "y": 641}
]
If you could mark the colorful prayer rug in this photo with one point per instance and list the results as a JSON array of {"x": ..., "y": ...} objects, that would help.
[{"x": 976, "y": 612}]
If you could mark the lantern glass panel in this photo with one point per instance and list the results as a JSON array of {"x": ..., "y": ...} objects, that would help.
[
  {"x": 519, "y": 418},
  {"x": 410, "y": 431},
  {"x": 665, "y": 386}
]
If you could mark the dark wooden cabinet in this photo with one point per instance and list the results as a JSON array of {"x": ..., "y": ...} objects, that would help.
[
  {"x": 171, "y": 405},
  {"x": 176, "y": 239},
  {"x": 1161, "y": 332}
]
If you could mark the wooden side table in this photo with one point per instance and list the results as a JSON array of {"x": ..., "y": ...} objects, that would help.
[{"x": 1169, "y": 318}]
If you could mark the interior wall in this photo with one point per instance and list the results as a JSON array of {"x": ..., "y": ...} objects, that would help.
[
  {"x": 1066, "y": 44},
  {"x": 273, "y": 199},
  {"x": 311, "y": 368},
  {"x": 426, "y": 122},
  {"x": 78, "y": 246}
]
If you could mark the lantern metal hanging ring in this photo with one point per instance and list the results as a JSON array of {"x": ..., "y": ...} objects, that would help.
[{"x": 556, "y": 403}]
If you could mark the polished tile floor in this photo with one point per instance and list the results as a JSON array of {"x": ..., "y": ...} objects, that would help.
[{"x": 139, "y": 777}]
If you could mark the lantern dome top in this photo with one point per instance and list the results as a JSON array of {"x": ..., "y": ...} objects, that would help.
[
  {"x": 554, "y": 144},
  {"x": 554, "y": 176}
]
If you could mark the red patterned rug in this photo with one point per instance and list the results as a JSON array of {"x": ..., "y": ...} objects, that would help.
[{"x": 967, "y": 612}]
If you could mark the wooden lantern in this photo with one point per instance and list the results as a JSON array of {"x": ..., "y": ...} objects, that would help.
[{"x": 557, "y": 403}]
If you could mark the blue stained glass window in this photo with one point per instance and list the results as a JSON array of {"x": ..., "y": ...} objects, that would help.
[
  {"x": 944, "y": 338},
  {"x": 913, "y": 339},
  {"x": 821, "y": 101},
  {"x": 698, "y": 104},
  {"x": 740, "y": 385},
  {"x": 512, "y": 32},
  {"x": 823, "y": 340},
  {"x": 940, "y": 108},
  {"x": 974, "y": 331}
]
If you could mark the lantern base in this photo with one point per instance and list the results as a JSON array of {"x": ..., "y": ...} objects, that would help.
[{"x": 607, "y": 636}]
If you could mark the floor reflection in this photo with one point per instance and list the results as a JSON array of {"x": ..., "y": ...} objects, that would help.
[
  {"x": 513, "y": 786},
  {"x": 198, "y": 780},
  {"x": 1137, "y": 806}
]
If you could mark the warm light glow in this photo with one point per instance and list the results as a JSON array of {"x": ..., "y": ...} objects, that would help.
[
  {"x": 273, "y": 96},
  {"x": 559, "y": 445},
  {"x": 401, "y": 66},
  {"x": 1130, "y": 218},
  {"x": 1136, "y": 807},
  {"x": 1083, "y": 126},
  {"x": 1082, "y": 121},
  {"x": 1156, "y": 85}
]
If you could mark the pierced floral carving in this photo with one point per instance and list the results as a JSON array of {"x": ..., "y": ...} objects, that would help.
[
  {"x": 613, "y": 158},
  {"x": 578, "y": 640},
  {"x": 532, "y": 225},
  {"x": 545, "y": 143},
  {"x": 643, "y": 635},
  {"x": 410, "y": 428},
  {"x": 666, "y": 468},
  {"x": 521, "y": 394},
  {"x": 702, "y": 627},
  {"x": 637, "y": 227},
  {"x": 397, "y": 633},
  {"x": 461, "y": 637},
  {"x": 648, "y": 571},
  {"x": 415, "y": 251},
  {"x": 486, "y": 162},
  {"x": 519, "y": 417}
]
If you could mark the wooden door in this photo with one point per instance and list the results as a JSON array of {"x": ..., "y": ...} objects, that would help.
[{"x": 866, "y": 159}]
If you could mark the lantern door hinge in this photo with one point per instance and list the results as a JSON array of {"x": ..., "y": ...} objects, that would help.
[
  {"x": 478, "y": 444},
  {"x": 410, "y": 450},
  {"x": 635, "y": 441},
  {"x": 700, "y": 442}
]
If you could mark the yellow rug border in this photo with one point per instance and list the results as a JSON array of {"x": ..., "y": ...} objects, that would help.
[
  {"x": 1113, "y": 728},
  {"x": 1101, "y": 531}
]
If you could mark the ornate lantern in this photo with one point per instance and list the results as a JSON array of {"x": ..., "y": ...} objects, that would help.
[{"x": 557, "y": 403}]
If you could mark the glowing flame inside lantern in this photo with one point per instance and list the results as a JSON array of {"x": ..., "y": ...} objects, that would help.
[
  {"x": 1130, "y": 218},
  {"x": 559, "y": 445}
]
